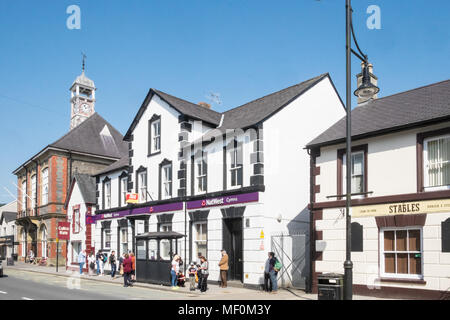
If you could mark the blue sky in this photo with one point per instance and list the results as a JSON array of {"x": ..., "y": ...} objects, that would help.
[{"x": 241, "y": 49}]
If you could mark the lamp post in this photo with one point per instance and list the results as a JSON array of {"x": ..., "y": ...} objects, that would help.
[{"x": 366, "y": 91}]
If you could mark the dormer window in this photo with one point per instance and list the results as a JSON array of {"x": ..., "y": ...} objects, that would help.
[{"x": 437, "y": 163}]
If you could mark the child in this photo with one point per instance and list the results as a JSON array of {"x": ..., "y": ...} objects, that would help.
[{"x": 192, "y": 271}]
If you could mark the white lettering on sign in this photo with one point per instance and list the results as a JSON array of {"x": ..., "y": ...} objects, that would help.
[{"x": 214, "y": 202}]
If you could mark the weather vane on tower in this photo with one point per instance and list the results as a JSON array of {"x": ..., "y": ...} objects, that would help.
[{"x": 84, "y": 60}]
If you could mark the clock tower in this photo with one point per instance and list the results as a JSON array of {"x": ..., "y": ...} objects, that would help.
[{"x": 82, "y": 99}]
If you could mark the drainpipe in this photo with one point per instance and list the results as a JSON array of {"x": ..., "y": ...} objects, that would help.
[
  {"x": 36, "y": 195},
  {"x": 311, "y": 221}
]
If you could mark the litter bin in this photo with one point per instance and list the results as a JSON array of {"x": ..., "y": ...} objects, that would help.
[
  {"x": 9, "y": 261},
  {"x": 14, "y": 256},
  {"x": 331, "y": 286}
]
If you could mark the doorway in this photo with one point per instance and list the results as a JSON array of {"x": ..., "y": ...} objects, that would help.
[{"x": 233, "y": 244}]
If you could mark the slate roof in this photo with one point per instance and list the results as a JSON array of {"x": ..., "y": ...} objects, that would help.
[
  {"x": 87, "y": 186},
  {"x": 122, "y": 163},
  {"x": 92, "y": 137},
  {"x": 258, "y": 110},
  {"x": 8, "y": 216},
  {"x": 420, "y": 106}
]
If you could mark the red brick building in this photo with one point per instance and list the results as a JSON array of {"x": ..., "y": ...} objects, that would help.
[{"x": 43, "y": 181}]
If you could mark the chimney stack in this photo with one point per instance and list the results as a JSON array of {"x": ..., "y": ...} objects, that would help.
[
  {"x": 373, "y": 80},
  {"x": 204, "y": 105}
]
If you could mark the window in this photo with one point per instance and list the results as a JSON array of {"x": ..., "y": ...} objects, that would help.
[
  {"x": 140, "y": 250},
  {"x": 437, "y": 163},
  {"x": 401, "y": 253},
  {"x": 152, "y": 249},
  {"x": 44, "y": 189},
  {"x": 123, "y": 190},
  {"x": 357, "y": 173},
  {"x": 76, "y": 220},
  {"x": 24, "y": 195},
  {"x": 236, "y": 165},
  {"x": 199, "y": 238},
  {"x": 124, "y": 240},
  {"x": 107, "y": 186},
  {"x": 142, "y": 183},
  {"x": 156, "y": 136},
  {"x": 23, "y": 239},
  {"x": 33, "y": 192},
  {"x": 167, "y": 181},
  {"x": 107, "y": 238},
  {"x": 44, "y": 241},
  {"x": 76, "y": 249},
  {"x": 165, "y": 243},
  {"x": 201, "y": 175}
]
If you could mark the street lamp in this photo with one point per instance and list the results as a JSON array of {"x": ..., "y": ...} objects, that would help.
[{"x": 366, "y": 91}]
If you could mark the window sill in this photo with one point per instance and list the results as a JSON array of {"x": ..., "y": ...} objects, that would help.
[
  {"x": 400, "y": 280},
  {"x": 154, "y": 153}
]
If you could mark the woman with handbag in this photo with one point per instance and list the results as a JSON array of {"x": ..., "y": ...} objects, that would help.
[{"x": 205, "y": 273}]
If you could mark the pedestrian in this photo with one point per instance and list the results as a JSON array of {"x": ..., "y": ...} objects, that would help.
[
  {"x": 223, "y": 265},
  {"x": 267, "y": 281},
  {"x": 31, "y": 256},
  {"x": 174, "y": 270},
  {"x": 199, "y": 274},
  {"x": 133, "y": 267},
  {"x": 205, "y": 274},
  {"x": 91, "y": 262},
  {"x": 112, "y": 262},
  {"x": 82, "y": 260},
  {"x": 192, "y": 270},
  {"x": 99, "y": 258},
  {"x": 127, "y": 268},
  {"x": 273, "y": 272},
  {"x": 121, "y": 264}
]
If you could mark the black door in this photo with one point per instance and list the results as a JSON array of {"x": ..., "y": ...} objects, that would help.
[{"x": 232, "y": 243}]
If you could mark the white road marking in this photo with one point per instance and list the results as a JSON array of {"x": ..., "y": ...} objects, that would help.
[
  {"x": 25, "y": 298},
  {"x": 3, "y": 292}
]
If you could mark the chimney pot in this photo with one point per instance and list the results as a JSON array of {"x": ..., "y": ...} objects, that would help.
[{"x": 204, "y": 105}]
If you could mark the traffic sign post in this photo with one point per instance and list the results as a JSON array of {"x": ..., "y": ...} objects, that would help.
[{"x": 57, "y": 254}]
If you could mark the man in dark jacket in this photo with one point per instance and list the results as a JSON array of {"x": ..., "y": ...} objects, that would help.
[
  {"x": 112, "y": 262},
  {"x": 272, "y": 272}
]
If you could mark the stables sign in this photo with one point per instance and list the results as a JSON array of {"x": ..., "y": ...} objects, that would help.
[{"x": 417, "y": 207}]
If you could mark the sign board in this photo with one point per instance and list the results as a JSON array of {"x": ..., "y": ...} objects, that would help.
[
  {"x": 223, "y": 201},
  {"x": 63, "y": 230},
  {"x": 132, "y": 198},
  {"x": 262, "y": 235},
  {"x": 391, "y": 209}
]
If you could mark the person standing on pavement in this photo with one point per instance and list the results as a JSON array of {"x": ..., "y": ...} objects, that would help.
[
  {"x": 272, "y": 272},
  {"x": 99, "y": 258},
  {"x": 127, "y": 268},
  {"x": 223, "y": 265},
  {"x": 82, "y": 260},
  {"x": 133, "y": 267},
  {"x": 267, "y": 280},
  {"x": 91, "y": 262},
  {"x": 192, "y": 270},
  {"x": 112, "y": 262},
  {"x": 174, "y": 270},
  {"x": 31, "y": 256},
  {"x": 199, "y": 273},
  {"x": 205, "y": 273},
  {"x": 121, "y": 264}
]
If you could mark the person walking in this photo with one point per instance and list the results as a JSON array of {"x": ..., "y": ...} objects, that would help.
[
  {"x": 192, "y": 270},
  {"x": 205, "y": 273},
  {"x": 223, "y": 265},
  {"x": 175, "y": 269},
  {"x": 273, "y": 272},
  {"x": 133, "y": 267},
  {"x": 121, "y": 264},
  {"x": 82, "y": 260},
  {"x": 267, "y": 281},
  {"x": 112, "y": 262},
  {"x": 127, "y": 268},
  {"x": 31, "y": 256},
  {"x": 91, "y": 262},
  {"x": 99, "y": 258}
]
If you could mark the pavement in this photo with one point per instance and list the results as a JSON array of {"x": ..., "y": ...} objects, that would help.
[{"x": 47, "y": 284}]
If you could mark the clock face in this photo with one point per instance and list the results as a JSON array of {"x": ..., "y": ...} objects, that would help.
[{"x": 85, "y": 108}]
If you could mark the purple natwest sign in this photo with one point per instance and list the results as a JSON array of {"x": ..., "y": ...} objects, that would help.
[
  {"x": 136, "y": 211},
  {"x": 223, "y": 201}
]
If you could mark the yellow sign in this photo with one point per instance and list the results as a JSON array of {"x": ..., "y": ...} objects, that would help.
[
  {"x": 57, "y": 240},
  {"x": 392, "y": 209},
  {"x": 262, "y": 235}
]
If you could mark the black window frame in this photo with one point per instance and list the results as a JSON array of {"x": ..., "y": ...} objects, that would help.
[{"x": 153, "y": 119}]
